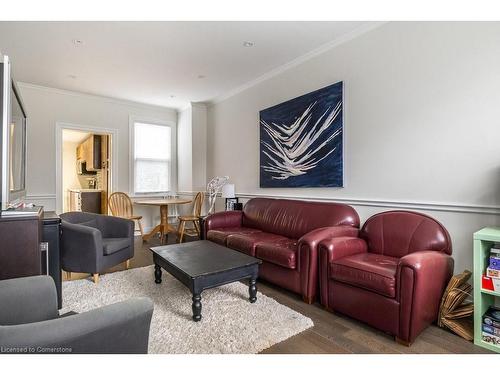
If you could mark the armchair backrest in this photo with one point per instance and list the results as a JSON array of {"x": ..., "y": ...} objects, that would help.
[
  {"x": 398, "y": 233},
  {"x": 77, "y": 217},
  {"x": 294, "y": 218}
]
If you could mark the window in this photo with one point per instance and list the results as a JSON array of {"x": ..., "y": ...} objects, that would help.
[{"x": 152, "y": 158}]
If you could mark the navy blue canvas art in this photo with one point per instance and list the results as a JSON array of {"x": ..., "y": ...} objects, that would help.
[{"x": 301, "y": 141}]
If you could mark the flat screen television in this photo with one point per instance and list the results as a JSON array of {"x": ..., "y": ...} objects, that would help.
[{"x": 13, "y": 139}]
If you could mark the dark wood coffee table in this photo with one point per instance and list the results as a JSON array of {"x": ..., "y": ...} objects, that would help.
[{"x": 201, "y": 265}]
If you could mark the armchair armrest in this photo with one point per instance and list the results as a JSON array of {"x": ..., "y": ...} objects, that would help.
[
  {"x": 308, "y": 255},
  {"x": 27, "y": 300},
  {"x": 336, "y": 248},
  {"x": 331, "y": 250},
  {"x": 115, "y": 227},
  {"x": 81, "y": 247},
  {"x": 118, "y": 328},
  {"x": 421, "y": 278},
  {"x": 226, "y": 219}
]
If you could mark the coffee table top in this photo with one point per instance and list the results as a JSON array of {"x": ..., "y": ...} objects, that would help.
[{"x": 199, "y": 258}]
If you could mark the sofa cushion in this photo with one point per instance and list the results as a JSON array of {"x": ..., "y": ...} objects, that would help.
[
  {"x": 220, "y": 235},
  {"x": 367, "y": 270},
  {"x": 282, "y": 252},
  {"x": 113, "y": 245},
  {"x": 247, "y": 242}
]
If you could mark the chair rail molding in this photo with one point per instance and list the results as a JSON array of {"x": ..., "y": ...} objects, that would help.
[{"x": 416, "y": 205}]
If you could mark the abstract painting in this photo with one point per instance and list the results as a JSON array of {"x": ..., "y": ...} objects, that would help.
[{"x": 301, "y": 141}]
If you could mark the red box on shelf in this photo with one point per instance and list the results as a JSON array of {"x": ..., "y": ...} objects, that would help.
[{"x": 490, "y": 283}]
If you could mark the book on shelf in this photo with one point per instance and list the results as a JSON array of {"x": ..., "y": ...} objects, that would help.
[
  {"x": 492, "y": 317},
  {"x": 490, "y": 339},
  {"x": 491, "y": 330}
]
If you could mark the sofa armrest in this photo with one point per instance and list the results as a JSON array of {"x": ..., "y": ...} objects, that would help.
[
  {"x": 27, "y": 300},
  {"x": 308, "y": 255},
  {"x": 332, "y": 249},
  {"x": 421, "y": 278},
  {"x": 81, "y": 247},
  {"x": 226, "y": 219},
  {"x": 115, "y": 227},
  {"x": 118, "y": 328},
  {"x": 314, "y": 237}
]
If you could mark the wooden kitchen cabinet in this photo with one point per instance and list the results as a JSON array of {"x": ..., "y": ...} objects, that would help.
[
  {"x": 79, "y": 152},
  {"x": 89, "y": 151}
]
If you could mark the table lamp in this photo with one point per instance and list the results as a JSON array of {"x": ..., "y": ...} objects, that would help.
[{"x": 228, "y": 193}]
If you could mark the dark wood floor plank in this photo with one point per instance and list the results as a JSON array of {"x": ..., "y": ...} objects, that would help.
[{"x": 307, "y": 342}]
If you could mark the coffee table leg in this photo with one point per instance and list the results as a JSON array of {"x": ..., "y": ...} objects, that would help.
[
  {"x": 252, "y": 290},
  {"x": 196, "y": 307},
  {"x": 157, "y": 274}
]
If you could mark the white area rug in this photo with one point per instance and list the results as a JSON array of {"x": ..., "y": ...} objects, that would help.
[{"x": 230, "y": 323}]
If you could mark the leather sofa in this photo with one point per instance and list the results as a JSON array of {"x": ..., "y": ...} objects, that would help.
[
  {"x": 392, "y": 276},
  {"x": 284, "y": 234}
]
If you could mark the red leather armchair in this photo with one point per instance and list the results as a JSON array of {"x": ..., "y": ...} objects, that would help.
[
  {"x": 285, "y": 234},
  {"x": 392, "y": 276}
]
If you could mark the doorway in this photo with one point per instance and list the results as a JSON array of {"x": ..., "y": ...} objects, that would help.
[{"x": 85, "y": 168}]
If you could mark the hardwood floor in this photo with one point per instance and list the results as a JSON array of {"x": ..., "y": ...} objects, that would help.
[{"x": 332, "y": 333}]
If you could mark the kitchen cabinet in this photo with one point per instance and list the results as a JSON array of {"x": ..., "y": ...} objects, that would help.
[
  {"x": 89, "y": 151},
  {"x": 79, "y": 152}
]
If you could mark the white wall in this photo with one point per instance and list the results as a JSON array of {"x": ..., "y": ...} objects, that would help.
[
  {"x": 185, "y": 150},
  {"x": 199, "y": 146},
  {"x": 47, "y": 106},
  {"x": 192, "y": 153},
  {"x": 421, "y": 124}
]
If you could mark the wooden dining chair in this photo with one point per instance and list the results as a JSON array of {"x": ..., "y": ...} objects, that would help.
[
  {"x": 120, "y": 205},
  {"x": 194, "y": 219}
]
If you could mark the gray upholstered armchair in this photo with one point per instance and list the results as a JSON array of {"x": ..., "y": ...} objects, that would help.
[
  {"x": 30, "y": 322},
  {"x": 92, "y": 243}
]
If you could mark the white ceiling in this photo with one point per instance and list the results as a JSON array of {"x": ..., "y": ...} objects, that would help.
[{"x": 149, "y": 62}]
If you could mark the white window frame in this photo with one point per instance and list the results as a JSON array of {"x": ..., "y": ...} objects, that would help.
[{"x": 173, "y": 160}]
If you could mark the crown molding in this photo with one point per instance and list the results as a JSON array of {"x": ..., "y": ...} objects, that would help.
[
  {"x": 299, "y": 60},
  {"x": 202, "y": 105},
  {"x": 184, "y": 109},
  {"x": 107, "y": 99}
]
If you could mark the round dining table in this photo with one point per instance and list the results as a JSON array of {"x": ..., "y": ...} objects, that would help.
[{"x": 164, "y": 227}]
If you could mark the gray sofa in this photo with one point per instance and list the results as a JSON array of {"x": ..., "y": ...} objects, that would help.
[
  {"x": 92, "y": 243},
  {"x": 30, "y": 322}
]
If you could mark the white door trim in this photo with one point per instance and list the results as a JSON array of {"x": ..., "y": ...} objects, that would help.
[{"x": 60, "y": 126}]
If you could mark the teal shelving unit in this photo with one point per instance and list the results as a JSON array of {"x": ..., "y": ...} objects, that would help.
[{"x": 483, "y": 241}]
